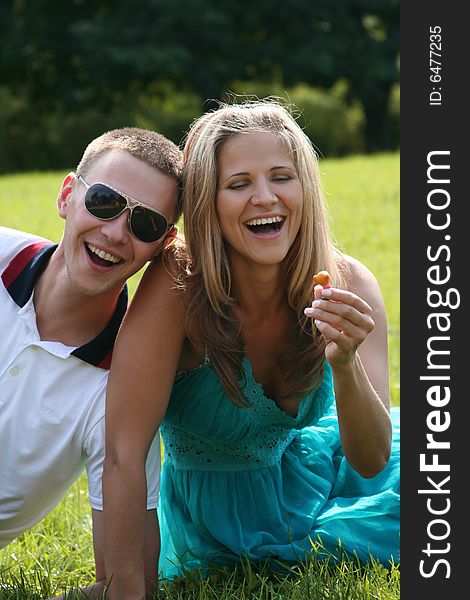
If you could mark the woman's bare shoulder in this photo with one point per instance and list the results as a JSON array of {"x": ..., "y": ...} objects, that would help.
[{"x": 361, "y": 280}]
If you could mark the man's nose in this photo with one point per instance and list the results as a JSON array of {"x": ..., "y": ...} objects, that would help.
[{"x": 117, "y": 230}]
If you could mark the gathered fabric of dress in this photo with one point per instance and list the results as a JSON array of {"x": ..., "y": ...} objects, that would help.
[{"x": 260, "y": 484}]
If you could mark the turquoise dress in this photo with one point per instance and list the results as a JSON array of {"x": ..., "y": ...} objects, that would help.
[{"x": 259, "y": 483}]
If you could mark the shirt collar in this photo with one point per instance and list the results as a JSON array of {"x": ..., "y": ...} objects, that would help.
[{"x": 19, "y": 278}]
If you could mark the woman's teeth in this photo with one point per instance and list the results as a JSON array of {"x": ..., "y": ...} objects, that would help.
[
  {"x": 265, "y": 221},
  {"x": 102, "y": 254}
]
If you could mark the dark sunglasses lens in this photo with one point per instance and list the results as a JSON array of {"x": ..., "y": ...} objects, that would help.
[
  {"x": 147, "y": 225},
  {"x": 103, "y": 202}
]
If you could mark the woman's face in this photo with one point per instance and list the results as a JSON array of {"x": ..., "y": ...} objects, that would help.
[{"x": 259, "y": 197}]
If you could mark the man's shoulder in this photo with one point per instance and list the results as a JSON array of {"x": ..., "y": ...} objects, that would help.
[{"x": 13, "y": 241}]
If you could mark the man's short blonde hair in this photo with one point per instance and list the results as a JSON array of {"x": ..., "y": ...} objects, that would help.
[{"x": 149, "y": 146}]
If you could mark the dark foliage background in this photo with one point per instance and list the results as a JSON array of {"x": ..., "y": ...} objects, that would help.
[{"x": 70, "y": 70}]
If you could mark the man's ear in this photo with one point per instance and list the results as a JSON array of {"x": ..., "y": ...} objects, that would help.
[
  {"x": 170, "y": 236},
  {"x": 64, "y": 194},
  {"x": 169, "y": 239}
]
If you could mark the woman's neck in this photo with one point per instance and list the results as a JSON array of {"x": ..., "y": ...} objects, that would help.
[{"x": 259, "y": 289}]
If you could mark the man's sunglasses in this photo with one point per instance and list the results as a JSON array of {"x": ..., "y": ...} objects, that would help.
[{"x": 104, "y": 202}]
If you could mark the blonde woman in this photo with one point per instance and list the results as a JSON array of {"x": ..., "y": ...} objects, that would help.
[{"x": 272, "y": 393}]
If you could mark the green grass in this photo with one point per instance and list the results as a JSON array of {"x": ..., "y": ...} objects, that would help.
[
  {"x": 44, "y": 563},
  {"x": 363, "y": 199},
  {"x": 56, "y": 555}
]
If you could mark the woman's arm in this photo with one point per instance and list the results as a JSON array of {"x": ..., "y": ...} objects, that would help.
[
  {"x": 144, "y": 363},
  {"x": 354, "y": 325}
]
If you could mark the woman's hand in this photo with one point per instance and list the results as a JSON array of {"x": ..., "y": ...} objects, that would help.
[
  {"x": 344, "y": 319},
  {"x": 353, "y": 323}
]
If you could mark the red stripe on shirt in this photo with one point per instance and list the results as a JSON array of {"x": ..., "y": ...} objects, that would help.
[
  {"x": 19, "y": 262},
  {"x": 106, "y": 362}
]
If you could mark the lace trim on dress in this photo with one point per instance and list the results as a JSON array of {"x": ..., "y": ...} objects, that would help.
[
  {"x": 180, "y": 374},
  {"x": 267, "y": 430}
]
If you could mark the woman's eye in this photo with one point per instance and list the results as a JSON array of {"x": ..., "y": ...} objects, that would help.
[
  {"x": 282, "y": 178},
  {"x": 239, "y": 185}
]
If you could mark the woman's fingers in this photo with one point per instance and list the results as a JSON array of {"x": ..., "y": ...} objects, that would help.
[
  {"x": 343, "y": 318},
  {"x": 343, "y": 314},
  {"x": 346, "y": 298}
]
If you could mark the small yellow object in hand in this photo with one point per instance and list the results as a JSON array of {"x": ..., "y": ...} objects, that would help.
[{"x": 322, "y": 278}]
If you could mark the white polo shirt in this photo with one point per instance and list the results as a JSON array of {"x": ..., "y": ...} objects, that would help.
[{"x": 52, "y": 399}]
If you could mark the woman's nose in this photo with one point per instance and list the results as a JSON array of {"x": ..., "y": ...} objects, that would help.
[{"x": 263, "y": 194}]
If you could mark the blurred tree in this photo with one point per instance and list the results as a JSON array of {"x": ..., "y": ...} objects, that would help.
[
  {"x": 315, "y": 42},
  {"x": 80, "y": 54}
]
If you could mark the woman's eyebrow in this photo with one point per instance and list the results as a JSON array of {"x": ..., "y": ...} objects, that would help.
[
  {"x": 247, "y": 173},
  {"x": 235, "y": 175}
]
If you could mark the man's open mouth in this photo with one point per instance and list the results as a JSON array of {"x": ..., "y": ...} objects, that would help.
[{"x": 100, "y": 257}]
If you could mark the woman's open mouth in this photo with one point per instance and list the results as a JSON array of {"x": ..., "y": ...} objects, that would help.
[{"x": 265, "y": 226}]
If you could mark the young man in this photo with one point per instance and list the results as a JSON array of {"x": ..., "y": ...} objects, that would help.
[{"x": 60, "y": 309}]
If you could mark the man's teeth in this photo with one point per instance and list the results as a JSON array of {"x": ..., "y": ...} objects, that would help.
[
  {"x": 265, "y": 221},
  {"x": 102, "y": 254}
]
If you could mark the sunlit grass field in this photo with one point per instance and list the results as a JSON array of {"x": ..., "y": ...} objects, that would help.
[{"x": 362, "y": 194}]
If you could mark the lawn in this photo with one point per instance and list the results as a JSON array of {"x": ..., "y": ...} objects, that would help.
[{"x": 363, "y": 198}]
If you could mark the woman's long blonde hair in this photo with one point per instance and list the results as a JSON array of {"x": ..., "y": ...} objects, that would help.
[{"x": 209, "y": 283}]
